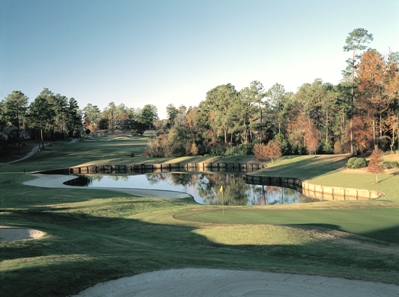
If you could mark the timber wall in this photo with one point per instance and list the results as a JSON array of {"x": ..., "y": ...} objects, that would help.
[
  {"x": 307, "y": 189},
  {"x": 315, "y": 191},
  {"x": 338, "y": 193},
  {"x": 190, "y": 167}
]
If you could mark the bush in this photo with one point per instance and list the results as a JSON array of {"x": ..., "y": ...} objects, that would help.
[
  {"x": 194, "y": 149},
  {"x": 285, "y": 146},
  {"x": 245, "y": 149},
  {"x": 232, "y": 151},
  {"x": 134, "y": 132},
  {"x": 354, "y": 163},
  {"x": 350, "y": 162},
  {"x": 217, "y": 150},
  {"x": 338, "y": 149},
  {"x": 390, "y": 164},
  {"x": 260, "y": 152},
  {"x": 326, "y": 147},
  {"x": 360, "y": 163},
  {"x": 176, "y": 150},
  {"x": 156, "y": 147}
]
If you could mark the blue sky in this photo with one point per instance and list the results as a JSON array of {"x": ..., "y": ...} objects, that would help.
[{"x": 174, "y": 51}]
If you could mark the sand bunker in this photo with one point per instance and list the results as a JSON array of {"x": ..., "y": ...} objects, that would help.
[
  {"x": 214, "y": 282},
  {"x": 9, "y": 234}
]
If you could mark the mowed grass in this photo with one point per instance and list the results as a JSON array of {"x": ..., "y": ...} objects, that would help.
[
  {"x": 353, "y": 218},
  {"x": 97, "y": 235},
  {"x": 329, "y": 170}
]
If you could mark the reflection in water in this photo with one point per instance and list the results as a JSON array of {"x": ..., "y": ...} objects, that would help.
[{"x": 206, "y": 188}]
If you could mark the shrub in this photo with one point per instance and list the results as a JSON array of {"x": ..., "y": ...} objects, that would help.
[
  {"x": 194, "y": 149},
  {"x": 260, "y": 152},
  {"x": 177, "y": 149},
  {"x": 354, "y": 163},
  {"x": 285, "y": 146},
  {"x": 390, "y": 164},
  {"x": 156, "y": 148},
  {"x": 338, "y": 147},
  {"x": 134, "y": 132},
  {"x": 232, "y": 151},
  {"x": 360, "y": 163},
  {"x": 245, "y": 149},
  {"x": 217, "y": 150},
  {"x": 350, "y": 162},
  {"x": 326, "y": 147}
]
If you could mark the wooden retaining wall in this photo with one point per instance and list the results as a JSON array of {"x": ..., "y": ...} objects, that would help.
[
  {"x": 287, "y": 182},
  {"x": 169, "y": 167},
  {"x": 338, "y": 193},
  {"x": 307, "y": 189},
  {"x": 315, "y": 191}
]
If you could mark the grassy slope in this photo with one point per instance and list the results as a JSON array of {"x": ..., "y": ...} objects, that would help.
[
  {"x": 100, "y": 235},
  {"x": 330, "y": 171}
]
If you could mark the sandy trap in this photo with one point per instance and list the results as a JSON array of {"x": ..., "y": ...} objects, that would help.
[
  {"x": 9, "y": 234},
  {"x": 215, "y": 282}
]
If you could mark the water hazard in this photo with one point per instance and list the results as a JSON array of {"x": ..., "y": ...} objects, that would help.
[{"x": 206, "y": 188}]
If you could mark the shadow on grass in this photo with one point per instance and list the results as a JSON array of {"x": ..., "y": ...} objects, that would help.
[
  {"x": 83, "y": 249},
  {"x": 386, "y": 234}
]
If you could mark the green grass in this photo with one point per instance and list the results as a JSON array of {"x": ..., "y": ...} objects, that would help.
[
  {"x": 353, "y": 218},
  {"x": 330, "y": 171},
  {"x": 98, "y": 235}
]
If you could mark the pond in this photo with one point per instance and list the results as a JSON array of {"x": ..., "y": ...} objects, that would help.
[{"x": 206, "y": 188}]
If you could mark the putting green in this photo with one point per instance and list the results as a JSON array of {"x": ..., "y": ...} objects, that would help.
[{"x": 385, "y": 224}]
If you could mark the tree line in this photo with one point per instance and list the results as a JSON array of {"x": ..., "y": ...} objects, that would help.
[
  {"x": 49, "y": 116},
  {"x": 54, "y": 116},
  {"x": 354, "y": 116},
  {"x": 119, "y": 117}
]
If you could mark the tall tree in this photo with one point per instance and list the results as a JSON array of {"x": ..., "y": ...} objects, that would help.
[
  {"x": 109, "y": 113},
  {"x": 172, "y": 113},
  {"x": 92, "y": 116},
  {"x": 258, "y": 94},
  {"x": 219, "y": 100},
  {"x": 250, "y": 114},
  {"x": 60, "y": 108},
  {"x": 340, "y": 116},
  {"x": 276, "y": 97},
  {"x": 123, "y": 116},
  {"x": 73, "y": 116},
  {"x": 372, "y": 89},
  {"x": 146, "y": 116},
  {"x": 41, "y": 113},
  {"x": 3, "y": 119},
  {"x": 15, "y": 106},
  {"x": 355, "y": 42}
]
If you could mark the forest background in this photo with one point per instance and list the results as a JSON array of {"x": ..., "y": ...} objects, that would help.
[{"x": 354, "y": 116}]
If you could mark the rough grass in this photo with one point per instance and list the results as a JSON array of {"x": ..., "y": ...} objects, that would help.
[{"x": 97, "y": 235}]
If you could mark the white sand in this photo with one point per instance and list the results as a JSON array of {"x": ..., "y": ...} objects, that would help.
[
  {"x": 223, "y": 283},
  {"x": 9, "y": 234}
]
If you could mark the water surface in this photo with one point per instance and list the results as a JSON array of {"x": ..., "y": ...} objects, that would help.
[{"x": 206, "y": 188}]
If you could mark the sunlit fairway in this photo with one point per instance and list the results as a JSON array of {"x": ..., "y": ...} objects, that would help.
[
  {"x": 97, "y": 235},
  {"x": 353, "y": 218}
]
